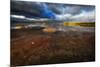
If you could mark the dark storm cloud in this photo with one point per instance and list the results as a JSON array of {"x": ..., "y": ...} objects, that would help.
[
  {"x": 56, "y": 11},
  {"x": 25, "y": 8},
  {"x": 31, "y": 9},
  {"x": 34, "y": 9}
]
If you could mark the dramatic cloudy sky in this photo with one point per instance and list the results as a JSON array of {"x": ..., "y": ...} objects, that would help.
[{"x": 39, "y": 10}]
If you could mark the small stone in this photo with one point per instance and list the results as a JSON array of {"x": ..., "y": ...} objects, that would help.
[{"x": 33, "y": 43}]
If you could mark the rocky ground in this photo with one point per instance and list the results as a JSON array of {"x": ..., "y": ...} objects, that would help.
[{"x": 32, "y": 47}]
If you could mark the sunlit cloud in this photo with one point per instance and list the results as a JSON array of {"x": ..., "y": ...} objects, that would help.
[
  {"x": 85, "y": 16},
  {"x": 63, "y": 16},
  {"x": 26, "y": 18},
  {"x": 18, "y": 16}
]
